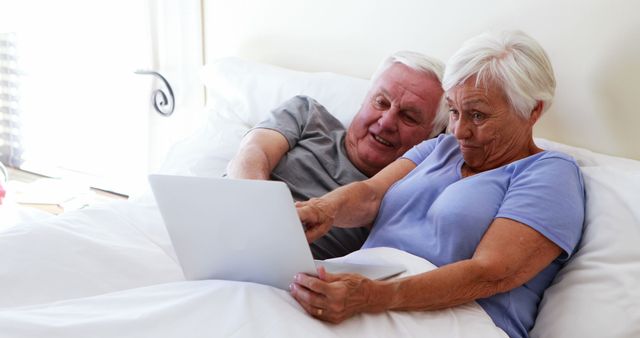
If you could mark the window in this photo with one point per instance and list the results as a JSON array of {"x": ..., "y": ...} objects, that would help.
[{"x": 81, "y": 107}]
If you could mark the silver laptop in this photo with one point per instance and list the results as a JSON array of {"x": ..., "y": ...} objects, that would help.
[{"x": 244, "y": 230}]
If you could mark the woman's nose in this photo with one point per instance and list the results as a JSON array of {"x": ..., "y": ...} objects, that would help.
[{"x": 461, "y": 129}]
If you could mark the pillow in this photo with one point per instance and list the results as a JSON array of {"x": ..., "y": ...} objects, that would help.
[
  {"x": 588, "y": 158},
  {"x": 597, "y": 294},
  {"x": 241, "y": 93},
  {"x": 247, "y": 91}
]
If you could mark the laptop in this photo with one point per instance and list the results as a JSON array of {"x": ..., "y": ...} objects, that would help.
[{"x": 242, "y": 230}]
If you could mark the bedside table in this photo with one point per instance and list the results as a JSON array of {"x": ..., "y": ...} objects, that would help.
[{"x": 53, "y": 195}]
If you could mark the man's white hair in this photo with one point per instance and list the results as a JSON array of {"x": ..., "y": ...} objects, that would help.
[
  {"x": 425, "y": 64},
  {"x": 513, "y": 60}
]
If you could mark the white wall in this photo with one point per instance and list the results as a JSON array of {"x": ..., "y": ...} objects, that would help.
[{"x": 593, "y": 44}]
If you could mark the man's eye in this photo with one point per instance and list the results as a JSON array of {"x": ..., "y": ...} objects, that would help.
[
  {"x": 476, "y": 116},
  {"x": 380, "y": 102},
  {"x": 454, "y": 113},
  {"x": 410, "y": 119}
]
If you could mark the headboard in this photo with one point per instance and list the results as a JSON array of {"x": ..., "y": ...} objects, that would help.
[{"x": 593, "y": 45}]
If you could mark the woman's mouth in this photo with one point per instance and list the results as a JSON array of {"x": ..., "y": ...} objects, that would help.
[{"x": 467, "y": 147}]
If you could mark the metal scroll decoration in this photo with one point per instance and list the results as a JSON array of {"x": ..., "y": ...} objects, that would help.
[{"x": 164, "y": 103}]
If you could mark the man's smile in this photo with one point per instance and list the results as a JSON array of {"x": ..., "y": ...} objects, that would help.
[{"x": 382, "y": 141}]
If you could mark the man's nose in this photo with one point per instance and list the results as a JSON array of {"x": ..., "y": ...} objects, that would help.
[{"x": 389, "y": 119}]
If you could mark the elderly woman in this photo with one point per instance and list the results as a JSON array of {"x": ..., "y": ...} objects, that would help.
[{"x": 496, "y": 214}]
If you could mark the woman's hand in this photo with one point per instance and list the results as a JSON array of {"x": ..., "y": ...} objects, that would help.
[
  {"x": 334, "y": 298},
  {"x": 353, "y": 205},
  {"x": 317, "y": 215}
]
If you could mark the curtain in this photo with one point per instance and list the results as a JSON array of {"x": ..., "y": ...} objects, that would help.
[
  {"x": 82, "y": 109},
  {"x": 10, "y": 145},
  {"x": 176, "y": 30}
]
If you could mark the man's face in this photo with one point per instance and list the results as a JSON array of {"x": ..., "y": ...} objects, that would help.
[{"x": 397, "y": 114}]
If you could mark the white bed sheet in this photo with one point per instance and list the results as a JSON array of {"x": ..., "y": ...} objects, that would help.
[
  {"x": 110, "y": 271},
  {"x": 106, "y": 248}
]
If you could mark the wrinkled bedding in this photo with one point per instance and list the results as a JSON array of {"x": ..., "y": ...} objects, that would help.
[{"x": 110, "y": 271}]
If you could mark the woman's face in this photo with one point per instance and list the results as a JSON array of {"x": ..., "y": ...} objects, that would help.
[{"x": 488, "y": 129}]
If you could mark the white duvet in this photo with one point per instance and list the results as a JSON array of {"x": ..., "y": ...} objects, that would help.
[{"x": 110, "y": 271}]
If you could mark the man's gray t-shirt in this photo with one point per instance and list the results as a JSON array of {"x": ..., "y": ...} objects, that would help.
[{"x": 315, "y": 164}]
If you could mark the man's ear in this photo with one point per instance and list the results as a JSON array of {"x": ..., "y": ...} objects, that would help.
[{"x": 536, "y": 112}]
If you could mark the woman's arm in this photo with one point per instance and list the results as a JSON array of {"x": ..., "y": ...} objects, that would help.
[
  {"x": 509, "y": 254},
  {"x": 352, "y": 205}
]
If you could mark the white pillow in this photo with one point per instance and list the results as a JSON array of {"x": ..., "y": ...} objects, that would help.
[
  {"x": 588, "y": 158},
  {"x": 598, "y": 293},
  {"x": 247, "y": 91},
  {"x": 241, "y": 93}
]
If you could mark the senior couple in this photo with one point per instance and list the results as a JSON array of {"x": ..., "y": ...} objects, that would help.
[{"x": 495, "y": 213}]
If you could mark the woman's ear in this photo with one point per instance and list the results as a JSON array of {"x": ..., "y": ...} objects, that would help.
[{"x": 536, "y": 112}]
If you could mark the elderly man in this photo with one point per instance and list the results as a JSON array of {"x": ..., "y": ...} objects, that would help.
[{"x": 303, "y": 145}]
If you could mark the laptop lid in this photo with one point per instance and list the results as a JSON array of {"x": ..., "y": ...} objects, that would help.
[{"x": 245, "y": 230}]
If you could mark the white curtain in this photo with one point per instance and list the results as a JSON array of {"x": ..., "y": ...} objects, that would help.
[
  {"x": 82, "y": 107},
  {"x": 10, "y": 145},
  {"x": 177, "y": 37}
]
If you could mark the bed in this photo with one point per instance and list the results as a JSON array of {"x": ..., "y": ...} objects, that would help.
[{"x": 110, "y": 271}]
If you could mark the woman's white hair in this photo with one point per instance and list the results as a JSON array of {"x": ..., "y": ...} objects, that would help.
[
  {"x": 425, "y": 64},
  {"x": 513, "y": 60}
]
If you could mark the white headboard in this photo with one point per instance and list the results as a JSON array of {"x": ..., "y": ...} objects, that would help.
[{"x": 594, "y": 46}]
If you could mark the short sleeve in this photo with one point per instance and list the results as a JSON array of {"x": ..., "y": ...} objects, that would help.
[
  {"x": 549, "y": 197},
  {"x": 301, "y": 118},
  {"x": 289, "y": 119},
  {"x": 420, "y": 151}
]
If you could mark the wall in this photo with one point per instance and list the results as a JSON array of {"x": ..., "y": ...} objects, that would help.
[{"x": 593, "y": 45}]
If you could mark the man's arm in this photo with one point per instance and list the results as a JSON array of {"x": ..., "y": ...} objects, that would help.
[{"x": 260, "y": 152}]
